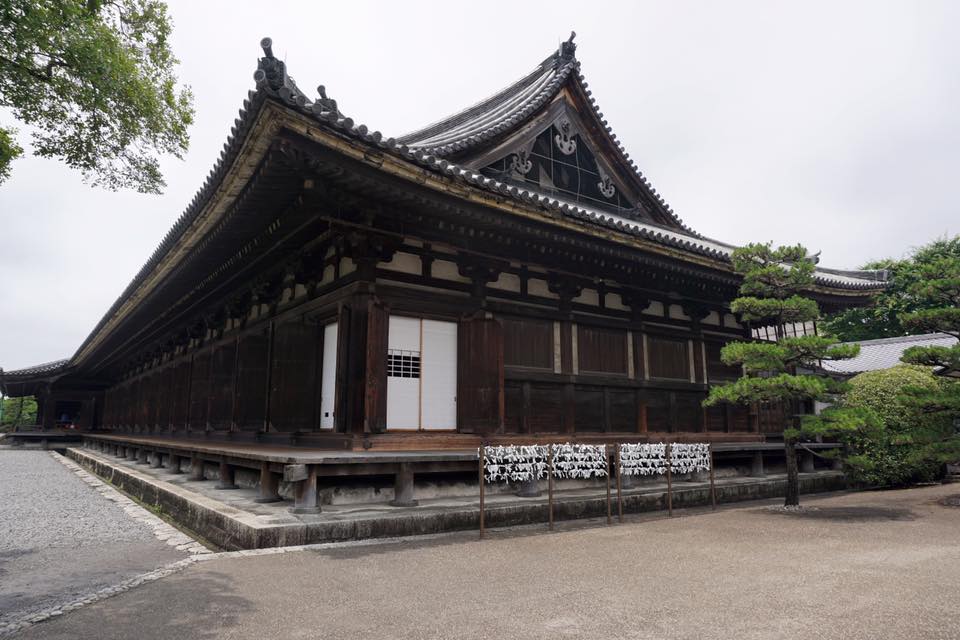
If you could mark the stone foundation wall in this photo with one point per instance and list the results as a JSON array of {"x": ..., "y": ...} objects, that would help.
[{"x": 232, "y": 529}]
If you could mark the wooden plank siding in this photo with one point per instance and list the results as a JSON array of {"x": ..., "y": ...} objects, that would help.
[
  {"x": 480, "y": 384},
  {"x": 294, "y": 377},
  {"x": 538, "y": 369},
  {"x": 251, "y": 388}
]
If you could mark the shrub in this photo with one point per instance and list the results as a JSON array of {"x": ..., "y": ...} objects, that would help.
[{"x": 891, "y": 456}]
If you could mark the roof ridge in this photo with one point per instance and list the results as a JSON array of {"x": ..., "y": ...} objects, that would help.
[
  {"x": 431, "y": 129},
  {"x": 917, "y": 337}
]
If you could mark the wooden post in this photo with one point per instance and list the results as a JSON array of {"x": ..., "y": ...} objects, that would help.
[
  {"x": 482, "y": 480},
  {"x": 606, "y": 459},
  {"x": 550, "y": 484},
  {"x": 619, "y": 490},
  {"x": 669, "y": 483},
  {"x": 713, "y": 491}
]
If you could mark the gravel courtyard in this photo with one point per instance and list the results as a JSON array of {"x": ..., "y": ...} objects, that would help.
[
  {"x": 860, "y": 565},
  {"x": 60, "y": 539}
]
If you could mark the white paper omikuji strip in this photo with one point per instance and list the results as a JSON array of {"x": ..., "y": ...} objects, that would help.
[
  {"x": 579, "y": 460},
  {"x": 649, "y": 459},
  {"x": 514, "y": 463},
  {"x": 689, "y": 458},
  {"x": 643, "y": 459}
]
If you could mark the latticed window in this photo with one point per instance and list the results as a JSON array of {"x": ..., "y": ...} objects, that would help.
[
  {"x": 403, "y": 364},
  {"x": 560, "y": 165}
]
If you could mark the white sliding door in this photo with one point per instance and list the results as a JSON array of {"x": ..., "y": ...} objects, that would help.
[
  {"x": 328, "y": 381},
  {"x": 421, "y": 374},
  {"x": 403, "y": 373},
  {"x": 438, "y": 381}
]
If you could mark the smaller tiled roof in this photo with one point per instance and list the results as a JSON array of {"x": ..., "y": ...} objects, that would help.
[
  {"x": 884, "y": 353},
  {"x": 39, "y": 369}
]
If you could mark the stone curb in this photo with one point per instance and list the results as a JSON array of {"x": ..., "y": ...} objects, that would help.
[
  {"x": 161, "y": 529},
  {"x": 107, "y": 592}
]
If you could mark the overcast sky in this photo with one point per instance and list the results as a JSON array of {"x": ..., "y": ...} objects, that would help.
[{"x": 833, "y": 124}]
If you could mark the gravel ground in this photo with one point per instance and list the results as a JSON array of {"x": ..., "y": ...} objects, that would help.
[
  {"x": 60, "y": 539},
  {"x": 861, "y": 565}
]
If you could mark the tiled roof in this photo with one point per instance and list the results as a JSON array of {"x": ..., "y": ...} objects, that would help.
[
  {"x": 40, "y": 369},
  {"x": 277, "y": 84},
  {"x": 510, "y": 108},
  {"x": 884, "y": 353},
  {"x": 272, "y": 82},
  {"x": 496, "y": 114}
]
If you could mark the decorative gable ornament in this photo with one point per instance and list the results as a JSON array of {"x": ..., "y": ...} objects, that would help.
[
  {"x": 564, "y": 139},
  {"x": 606, "y": 186},
  {"x": 520, "y": 162}
]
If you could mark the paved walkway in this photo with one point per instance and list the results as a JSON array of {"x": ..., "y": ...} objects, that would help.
[
  {"x": 64, "y": 535},
  {"x": 865, "y": 565}
]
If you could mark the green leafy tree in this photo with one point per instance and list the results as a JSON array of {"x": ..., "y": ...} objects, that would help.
[
  {"x": 883, "y": 318},
  {"x": 94, "y": 82},
  {"x": 18, "y": 412},
  {"x": 897, "y": 453},
  {"x": 771, "y": 295},
  {"x": 938, "y": 289}
]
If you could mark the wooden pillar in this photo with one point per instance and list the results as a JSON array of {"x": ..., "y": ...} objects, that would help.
[
  {"x": 227, "y": 473},
  {"x": 306, "y": 498},
  {"x": 49, "y": 413},
  {"x": 672, "y": 414},
  {"x": 756, "y": 465},
  {"x": 607, "y": 411},
  {"x": 234, "y": 381},
  {"x": 196, "y": 468},
  {"x": 268, "y": 379},
  {"x": 525, "y": 390},
  {"x": 362, "y": 366},
  {"x": 403, "y": 488},
  {"x": 174, "y": 463},
  {"x": 269, "y": 485}
]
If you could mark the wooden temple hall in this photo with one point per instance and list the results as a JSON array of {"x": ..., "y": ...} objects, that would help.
[{"x": 506, "y": 274}]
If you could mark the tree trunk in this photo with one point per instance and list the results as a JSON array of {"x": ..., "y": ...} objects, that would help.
[{"x": 792, "y": 495}]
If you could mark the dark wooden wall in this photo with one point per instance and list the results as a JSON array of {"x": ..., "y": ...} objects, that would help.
[{"x": 520, "y": 371}]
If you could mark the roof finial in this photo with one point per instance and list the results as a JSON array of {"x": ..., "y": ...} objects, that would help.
[
  {"x": 267, "y": 45},
  {"x": 568, "y": 48}
]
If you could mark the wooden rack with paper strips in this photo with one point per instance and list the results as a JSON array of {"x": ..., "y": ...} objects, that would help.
[{"x": 531, "y": 463}]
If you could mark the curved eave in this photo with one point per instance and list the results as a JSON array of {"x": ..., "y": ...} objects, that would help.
[
  {"x": 428, "y": 170},
  {"x": 29, "y": 380},
  {"x": 270, "y": 108}
]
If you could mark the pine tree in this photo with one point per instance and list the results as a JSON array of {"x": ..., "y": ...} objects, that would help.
[
  {"x": 771, "y": 295},
  {"x": 938, "y": 289}
]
